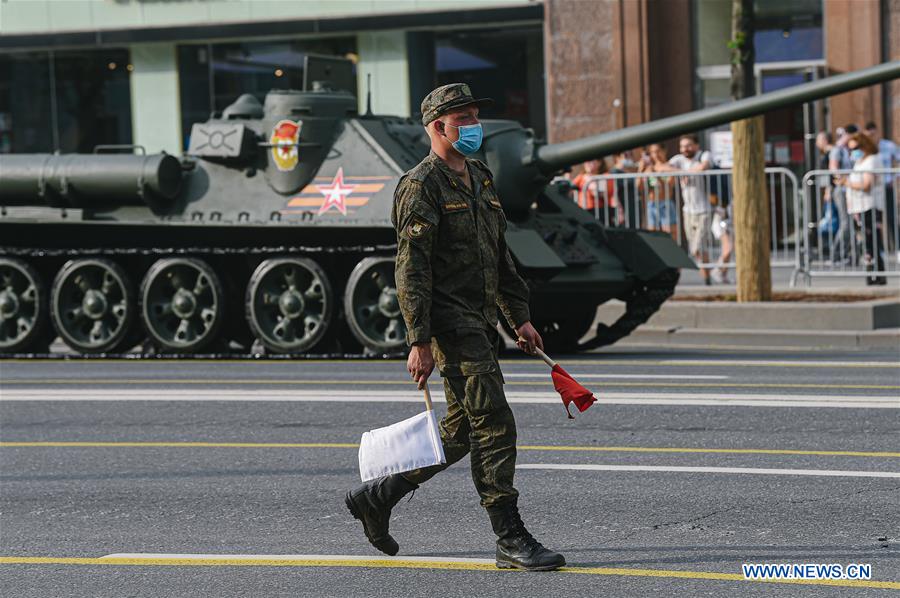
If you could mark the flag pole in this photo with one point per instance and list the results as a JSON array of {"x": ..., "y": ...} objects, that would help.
[
  {"x": 544, "y": 356},
  {"x": 428, "y": 406}
]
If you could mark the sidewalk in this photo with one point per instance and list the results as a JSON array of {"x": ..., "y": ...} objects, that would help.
[{"x": 870, "y": 323}]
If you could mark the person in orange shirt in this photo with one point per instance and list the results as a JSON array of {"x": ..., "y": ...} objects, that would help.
[{"x": 597, "y": 198}]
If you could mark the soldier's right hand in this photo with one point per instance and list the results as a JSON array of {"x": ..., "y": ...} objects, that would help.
[{"x": 420, "y": 363}]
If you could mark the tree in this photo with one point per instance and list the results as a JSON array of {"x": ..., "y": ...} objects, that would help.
[{"x": 751, "y": 205}]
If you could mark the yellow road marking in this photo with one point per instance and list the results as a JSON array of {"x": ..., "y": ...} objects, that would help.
[
  {"x": 404, "y": 564},
  {"x": 526, "y": 447},
  {"x": 270, "y": 382},
  {"x": 504, "y": 362},
  {"x": 266, "y": 445}
]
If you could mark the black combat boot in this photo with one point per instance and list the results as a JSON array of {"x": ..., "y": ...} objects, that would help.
[
  {"x": 516, "y": 548},
  {"x": 372, "y": 502}
]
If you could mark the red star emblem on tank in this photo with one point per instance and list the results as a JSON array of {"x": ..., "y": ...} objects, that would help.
[{"x": 336, "y": 193}]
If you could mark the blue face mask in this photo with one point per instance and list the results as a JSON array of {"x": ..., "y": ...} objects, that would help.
[
  {"x": 856, "y": 155},
  {"x": 470, "y": 137}
]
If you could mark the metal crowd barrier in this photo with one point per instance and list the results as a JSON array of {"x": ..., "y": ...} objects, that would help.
[
  {"x": 849, "y": 232},
  {"x": 657, "y": 201}
]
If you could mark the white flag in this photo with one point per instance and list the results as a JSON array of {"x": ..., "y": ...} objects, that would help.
[{"x": 404, "y": 446}]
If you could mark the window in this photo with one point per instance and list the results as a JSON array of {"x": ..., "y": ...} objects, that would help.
[
  {"x": 506, "y": 64},
  {"x": 26, "y": 119},
  {"x": 69, "y": 101},
  {"x": 788, "y": 42},
  {"x": 93, "y": 99}
]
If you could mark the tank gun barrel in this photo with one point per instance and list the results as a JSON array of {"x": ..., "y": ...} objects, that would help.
[
  {"x": 77, "y": 180},
  {"x": 552, "y": 158}
]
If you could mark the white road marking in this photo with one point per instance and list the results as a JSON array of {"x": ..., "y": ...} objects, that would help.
[
  {"x": 295, "y": 557},
  {"x": 771, "y": 363},
  {"x": 403, "y": 396},
  {"x": 680, "y": 469},
  {"x": 623, "y": 376}
]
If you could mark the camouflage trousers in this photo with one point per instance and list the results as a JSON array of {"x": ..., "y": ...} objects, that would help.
[{"x": 479, "y": 421}]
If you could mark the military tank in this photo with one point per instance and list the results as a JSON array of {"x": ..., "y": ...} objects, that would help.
[{"x": 272, "y": 233}]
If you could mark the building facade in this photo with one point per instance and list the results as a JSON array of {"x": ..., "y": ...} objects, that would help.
[{"x": 75, "y": 74}]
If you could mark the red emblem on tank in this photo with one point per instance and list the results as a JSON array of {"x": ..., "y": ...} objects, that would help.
[{"x": 284, "y": 139}]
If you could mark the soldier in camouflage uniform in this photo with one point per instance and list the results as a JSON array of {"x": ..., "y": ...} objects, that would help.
[{"x": 453, "y": 271}]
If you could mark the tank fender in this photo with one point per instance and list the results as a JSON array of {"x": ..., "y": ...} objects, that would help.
[{"x": 646, "y": 254}]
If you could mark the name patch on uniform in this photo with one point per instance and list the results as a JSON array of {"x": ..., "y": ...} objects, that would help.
[{"x": 452, "y": 206}]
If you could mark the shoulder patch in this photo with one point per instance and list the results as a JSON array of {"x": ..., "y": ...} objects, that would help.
[{"x": 417, "y": 228}]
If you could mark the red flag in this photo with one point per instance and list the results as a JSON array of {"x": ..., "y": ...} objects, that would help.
[{"x": 571, "y": 391}]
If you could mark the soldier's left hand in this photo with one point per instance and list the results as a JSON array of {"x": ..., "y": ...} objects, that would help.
[{"x": 529, "y": 338}]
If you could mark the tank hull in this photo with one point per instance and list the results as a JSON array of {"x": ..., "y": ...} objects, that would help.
[{"x": 273, "y": 235}]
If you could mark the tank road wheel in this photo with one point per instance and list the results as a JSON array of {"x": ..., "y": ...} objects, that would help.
[
  {"x": 370, "y": 302},
  {"x": 92, "y": 305},
  {"x": 183, "y": 304},
  {"x": 23, "y": 306},
  {"x": 289, "y": 304}
]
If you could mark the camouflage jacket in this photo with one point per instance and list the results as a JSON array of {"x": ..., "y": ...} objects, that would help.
[{"x": 453, "y": 267}]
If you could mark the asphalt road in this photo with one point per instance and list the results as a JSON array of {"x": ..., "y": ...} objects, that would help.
[{"x": 227, "y": 478}]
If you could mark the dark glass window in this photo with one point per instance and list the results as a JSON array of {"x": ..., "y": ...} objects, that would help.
[
  {"x": 26, "y": 119},
  {"x": 788, "y": 30},
  {"x": 778, "y": 45},
  {"x": 194, "y": 78},
  {"x": 69, "y": 101},
  {"x": 504, "y": 64},
  {"x": 93, "y": 99},
  {"x": 213, "y": 76}
]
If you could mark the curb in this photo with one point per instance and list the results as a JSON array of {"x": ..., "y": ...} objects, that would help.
[
  {"x": 779, "y": 316},
  {"x": 888, "y": 338}
]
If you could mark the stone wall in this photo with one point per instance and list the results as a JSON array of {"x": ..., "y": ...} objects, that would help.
[{"x": 615, "y": 63}]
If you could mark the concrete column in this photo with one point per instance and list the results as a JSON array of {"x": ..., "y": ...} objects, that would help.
[
  {"x": 853, "y": 41},
  {"x": 670, "y": 57},
  {"x": 585, "y": 91},
  {"x": 615, "y": 63},
  {"x": 892, "y": 127},
  {"x": 155, "y": 98},
  {"x": 383, "y": 55}
]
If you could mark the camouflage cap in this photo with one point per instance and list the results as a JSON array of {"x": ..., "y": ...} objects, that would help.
[{"x": 442, "y": 99}]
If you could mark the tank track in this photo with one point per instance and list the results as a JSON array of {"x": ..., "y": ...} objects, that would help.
[
  {"x": 25, "y": 252},
  {"x": 644, "y": 301},
  {"x": 143, "y": 352}
]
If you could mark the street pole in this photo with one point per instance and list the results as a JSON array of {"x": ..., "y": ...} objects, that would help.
[{"x": 751, "y": 205}]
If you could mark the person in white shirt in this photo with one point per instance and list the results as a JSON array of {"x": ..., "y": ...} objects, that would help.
[
  {"x": 695, "y": 206},
  {"x": 865, "y": 202},
  {"x": 889, "y": 155}
]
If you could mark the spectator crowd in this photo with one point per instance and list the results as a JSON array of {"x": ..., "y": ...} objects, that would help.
[{"x": 858, "y": 208}]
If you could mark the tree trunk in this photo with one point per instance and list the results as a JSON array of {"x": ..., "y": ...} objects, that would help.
[
  {"x": 742, "y": 50},
  {"x": 751, "y": 205},
  {"x": 751, "y": 212}
]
